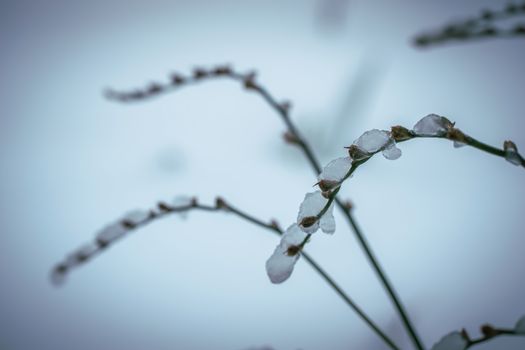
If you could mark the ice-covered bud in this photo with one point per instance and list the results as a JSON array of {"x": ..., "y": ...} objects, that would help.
[
  {"x": 452, "y": 341},
  {"x": 134, "y": 217},
  {"x": 357, "y": 153},
  {"x": 375, "y": 140},
  {"x": 311, "y": 206},
  {"x": 110, "y": 233},
  {"x": 511, "y": 152},
  {"x": 400, "y": 133},
  {"x": 432, "y": 125},
  {"x": 281, "y": 263},
  {"x": 333, "y": 173},
  {"x": 86, "y": 251},
  {"x": 520, "y": 326}
]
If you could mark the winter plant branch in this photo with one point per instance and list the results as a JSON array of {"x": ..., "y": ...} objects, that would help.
[
  {"x": 462, "y": 341},
  {"x": 316, "y": 210},
  {"x": 137, "y": 219},
  {"x": 484, "y": 26},
  {"x": 292, "y": 136}
]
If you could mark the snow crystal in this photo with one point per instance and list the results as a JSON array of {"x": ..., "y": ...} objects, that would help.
[
  {"x": 391, "y": 151},
  {"x": 311, "y": 206},
  {"x": 373, "y": 140},
  {"x": 432, "y": 125},
  {"x": 334, "y": 172},
  {"x": 280, "y": 265},
  {"x": 520, "y": 326},
  {"x": 135, "y": 216},
  {"x": 111, "y": 232},
  {"x": 452, "y": 341}
]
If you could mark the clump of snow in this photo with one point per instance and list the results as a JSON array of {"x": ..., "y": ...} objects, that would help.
[
  {"x": 334, "y": 172},
  {"x": 452, "y": 341},
  {"x": 111, "y": 232},
  {"x": 375, "y": 140},
  {"x": 311, "y": 206},
  {"x": 182, "y": 201},
  {"x": 280, "y": 265},
  {"x": 520, "y": 326},
  {"x": 136, "y": 216},
  {"x": 511, "y": 153},
  {"x": 432, "y": 125},
  {"x": 391, "y": 152}
]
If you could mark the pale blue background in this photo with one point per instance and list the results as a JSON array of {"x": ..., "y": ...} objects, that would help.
[{"x": 447, "y": 224}]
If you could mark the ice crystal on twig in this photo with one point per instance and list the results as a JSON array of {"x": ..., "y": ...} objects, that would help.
[
  {"x": 281, "y": 263},
  {"x": 310, "y": 208},
  {"x": 432, "y": 125},
  {"x": 333, "y": 173},
  {"x": 511, "y": 153}
]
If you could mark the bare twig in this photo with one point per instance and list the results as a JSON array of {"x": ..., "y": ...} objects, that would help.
[
  {"x": 83, "y": 255},
  {"x": 478, "y": 27},
  {"x": 282, "y": 109}
]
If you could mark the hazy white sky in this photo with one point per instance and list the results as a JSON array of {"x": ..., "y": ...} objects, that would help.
[{"x": 446, "y": 223}]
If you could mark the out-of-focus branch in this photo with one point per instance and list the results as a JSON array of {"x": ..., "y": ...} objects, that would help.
[
  {"x": 292, "y": 136},
  {"x": 483, "y": 26},
  {"x": 489, "y": 332},
  {"x": 127, "y": 225}
]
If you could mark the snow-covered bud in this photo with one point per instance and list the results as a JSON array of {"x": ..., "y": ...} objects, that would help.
[
  {"x": 110, "y": 233},
  {"x": 133, "y": 218},
  {"x": 432, "y": 125},
  {"x": 311, "y": 206},
  {"x": 334, "y": 173},
  {"x": 281, "y": 263},
  {"x": 375, "y": 140},
  {"x": 400, "y": 133},
  {"x": 511, "y": 152},
  {"x": 452, "y": 341},
  {"x": 357, "y": 153}
]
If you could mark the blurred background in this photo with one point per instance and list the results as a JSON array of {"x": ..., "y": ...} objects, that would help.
[{"x": 446, "y": 224}]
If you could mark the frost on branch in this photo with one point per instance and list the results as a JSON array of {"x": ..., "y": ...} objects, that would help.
[
  {"x": 452, "y": 341},
  {"x": 333, "y": 173},
  {"x": 511, "y": 153},
  {"x": 134, "y": 217},
  {"x": 432, "y": 125},
  {"x": 520, "y": 326},
  {"x": 311, "y": 206},
  {"x": 373, "y": 141},
  {"x": 110, "y": 233},
  {"x": 280, "y": 265}
]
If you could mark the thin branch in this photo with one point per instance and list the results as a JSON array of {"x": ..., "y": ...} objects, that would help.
[
  {"x": 489, "y": 332},
  {"x": 292, "y": 136},
  {"x": 478, "y": 27},
  {"x": 83, "y": 255}
]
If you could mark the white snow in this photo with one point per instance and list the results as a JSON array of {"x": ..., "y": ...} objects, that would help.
[
  {"x": 182, "y": 201},
  {"x": 136, "y": 216},
  {"x": 311, "y": 206},
  {"x": 327, "y": 221},
  {"x": 520, "y": 325},
  {"x": 511, "y": 154},
  {"x": 111, "y": 232},
  {"x": 432, "y": 125},
  {"x": 452, "y": 341},
  {"x": 391, "y": 151},
  {"x": 280, "y": 265},
  {"x": 335, "y": 171},
  {"x": 373, "y": 140}
]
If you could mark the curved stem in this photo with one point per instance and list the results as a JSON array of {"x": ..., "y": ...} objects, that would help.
[
  {"x": 249, "y": 82},
  {"x": 80, "y": 257}
]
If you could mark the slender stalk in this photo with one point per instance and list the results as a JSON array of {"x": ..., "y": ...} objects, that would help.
[
  {"x": 81, "y": 257},
  {"x": 249, "y": 82}
]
